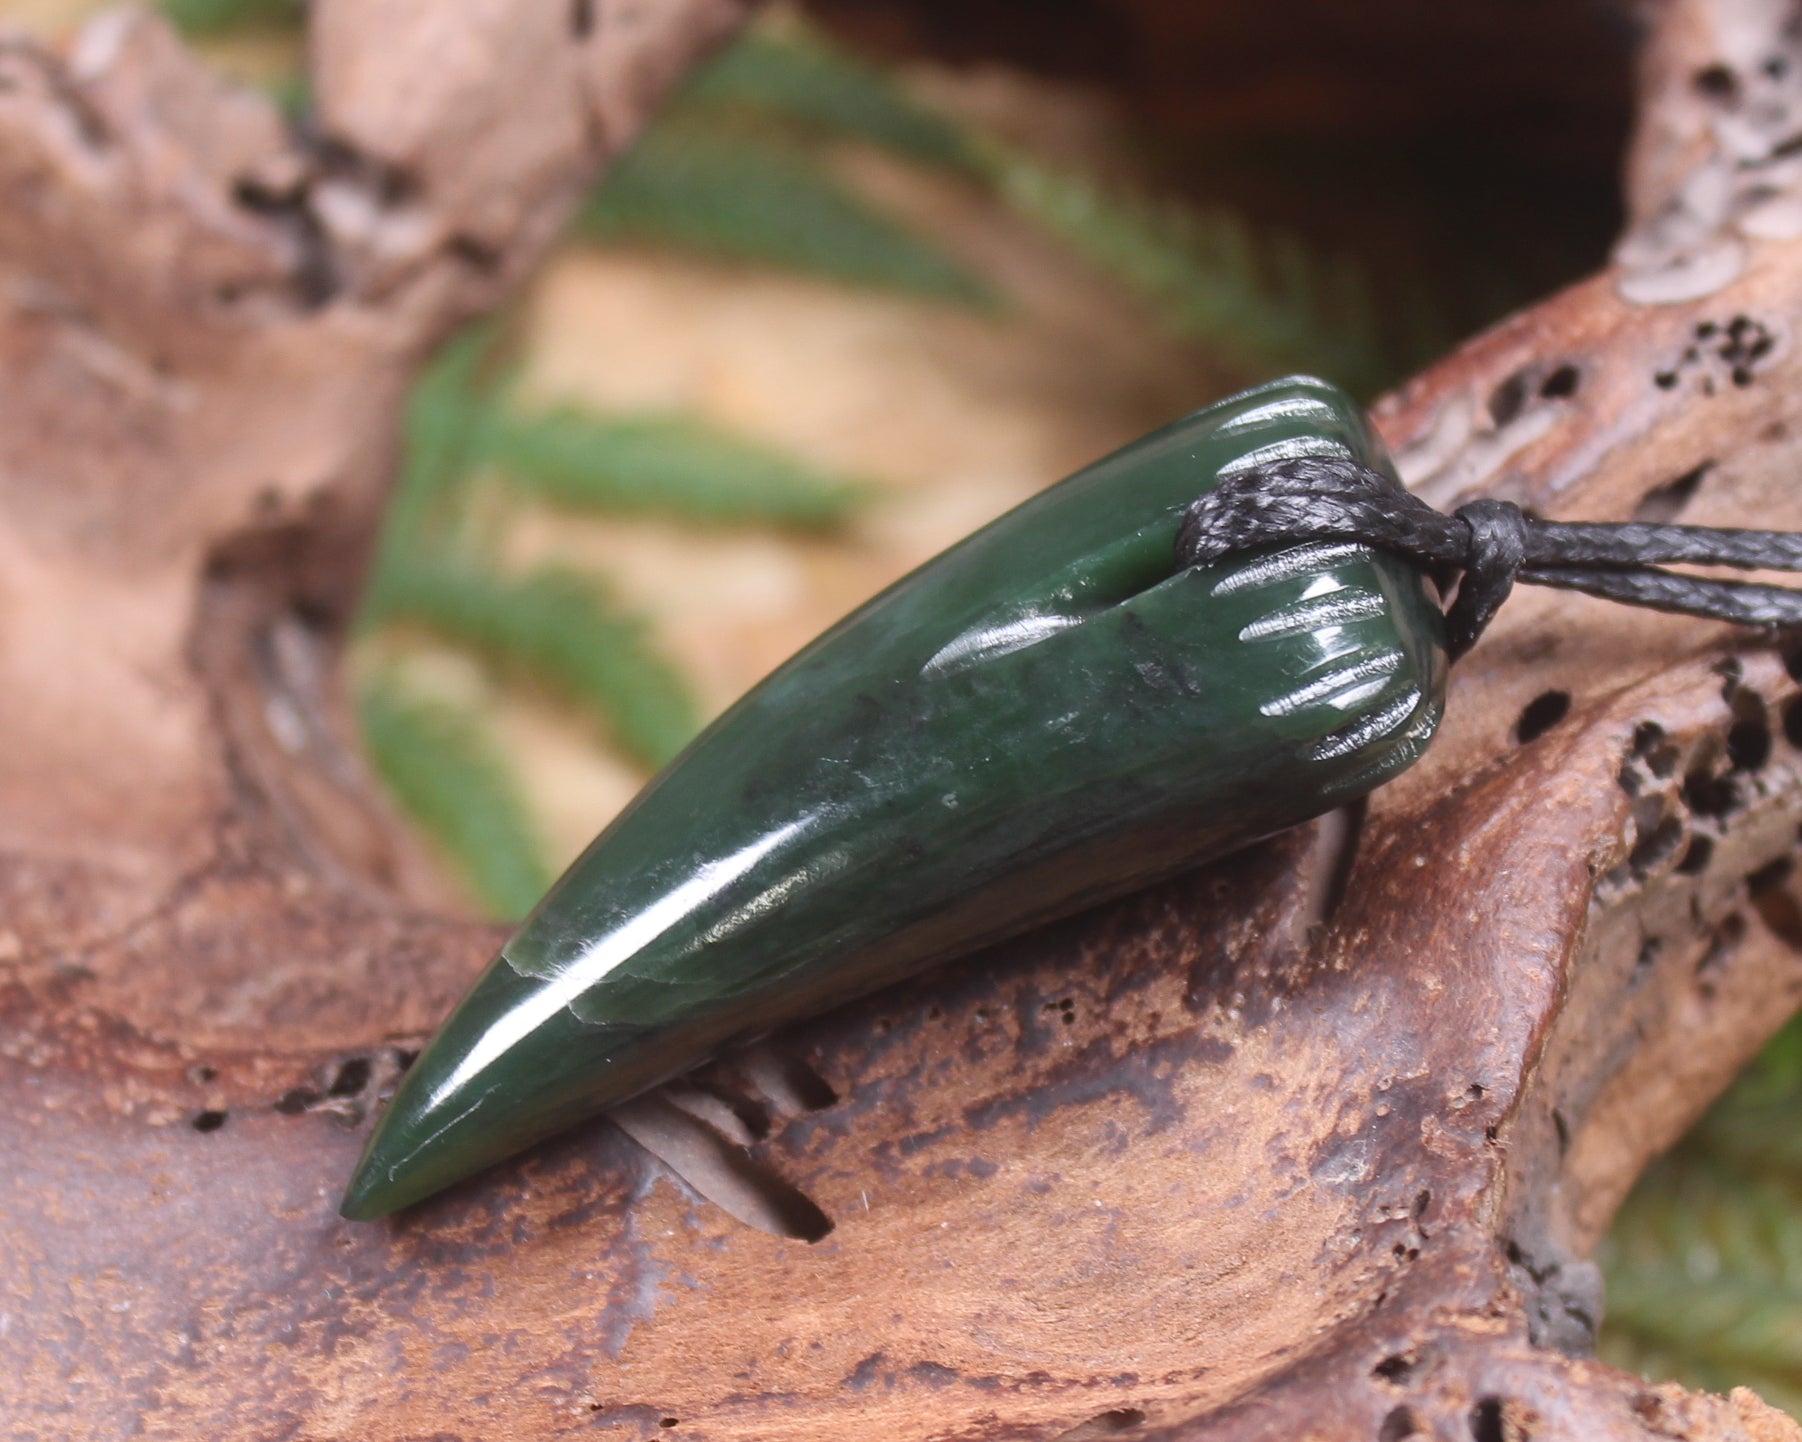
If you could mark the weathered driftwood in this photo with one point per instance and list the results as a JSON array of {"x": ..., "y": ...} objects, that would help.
[{"x": 1311, "y": 1143}]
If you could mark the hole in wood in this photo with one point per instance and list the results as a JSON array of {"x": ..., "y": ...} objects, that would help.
[
  {"x": 1771, "y": 876},
  {"x": 1401, "y": 1423},
  {"x": 1695, "y": 860},
  {"x": 208, "y": 1121},
  {"x": 721, "y": 1170},
  {"x": 300, "y": 1099},
  {"x": 1107, "y": 1424},
  {"x": 1649, "y": 746},
  {"x": 1656, "y": 847},
  {"x": 1507, "y": 399},
  {"x": 1732, "y": 673},
  {"x": 352, "y": 1077},
  {"x": 1486, "y": 1421},
  {"x": 791, "y": 1085},
  {"x": 1792, "y": 722},
  {"x": 1749, "y": 738},
  {"x": 1541, "y": 714},
  {"x": 1717, "y": 82},
  {"x": 1768, "y": 888},
  {"x": 1561, "y": 384},
  {"x": 1663, "y": 504},
  {"x": 1709, "y": 795},
  {"x": 736, "y": 1117}
]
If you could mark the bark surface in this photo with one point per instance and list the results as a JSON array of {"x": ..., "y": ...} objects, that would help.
[{"x": 1315, "y": 1142}]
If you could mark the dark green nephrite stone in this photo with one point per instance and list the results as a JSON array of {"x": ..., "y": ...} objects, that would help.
[{"x": 1046, "y": 715}]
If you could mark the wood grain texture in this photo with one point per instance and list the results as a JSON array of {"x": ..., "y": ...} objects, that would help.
[{"x": 1312, "y": 1143}]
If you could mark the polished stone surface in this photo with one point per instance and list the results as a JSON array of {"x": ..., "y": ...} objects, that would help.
[{"x": 1044, "y": 716}]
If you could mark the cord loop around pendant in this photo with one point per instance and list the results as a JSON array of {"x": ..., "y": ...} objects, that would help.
[
  {"x": 1498, "y": 550},
  {"x": 1491, "y": 544}
]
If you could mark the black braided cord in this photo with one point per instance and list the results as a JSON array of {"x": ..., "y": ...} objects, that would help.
[{"x": 1493, "y": 543}]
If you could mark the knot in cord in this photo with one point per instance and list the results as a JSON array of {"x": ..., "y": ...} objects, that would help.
[
  {"x": 1496, "y": 553},
  {"x": 1492, "y": 544}
]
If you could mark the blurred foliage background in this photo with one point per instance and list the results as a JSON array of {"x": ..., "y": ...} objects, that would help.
[
  {"x": 882, "y": 271},
  {"x": 1704, "y": 1262}
]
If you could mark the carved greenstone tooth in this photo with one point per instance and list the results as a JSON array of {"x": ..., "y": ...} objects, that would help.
[{"x": 1046, "y": 715}]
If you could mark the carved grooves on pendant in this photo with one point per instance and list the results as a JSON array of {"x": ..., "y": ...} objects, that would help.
[
  {"x": 1346, "y": 686},
  {"x": 1407, "y": 743},
  {"x": 1384, "y": 721},
  {"x": 1312, "y": 613},
  {"x": 1338, "y": 689},
  {"x": 1289, "y": 565}
]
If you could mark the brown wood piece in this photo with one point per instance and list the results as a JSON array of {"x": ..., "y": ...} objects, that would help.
[{"x": 1231, "y": 1159}]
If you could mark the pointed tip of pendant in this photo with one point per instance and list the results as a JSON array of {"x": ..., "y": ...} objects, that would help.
[
  {"x": 387, "y": 1178},
  {"x": 378, "y": 1190},
  {"x": 452, "y": 1115},
  {"x": 511, "y": 1066},
  {"x": 365, "y": 1198},
  {"x": 432, "y": 1137}
]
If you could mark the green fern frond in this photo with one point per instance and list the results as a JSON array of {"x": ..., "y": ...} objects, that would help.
[
  {"x": 446, "y": 773},
  {"x": 740, "y": 195},
  {"x": 1267, "y": 301},
  {"x": 292, "y": 94},
  {"x": 561, "y": 630},
  {"x": 666, "y": 465},
  {"x": 217, "y": 17},
  {"x": 450, "y": 414},
  {"x": 784, "y": 70}
]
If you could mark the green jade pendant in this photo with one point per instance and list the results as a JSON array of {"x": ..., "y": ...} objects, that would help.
[{"x": 1044, "y": 716}]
